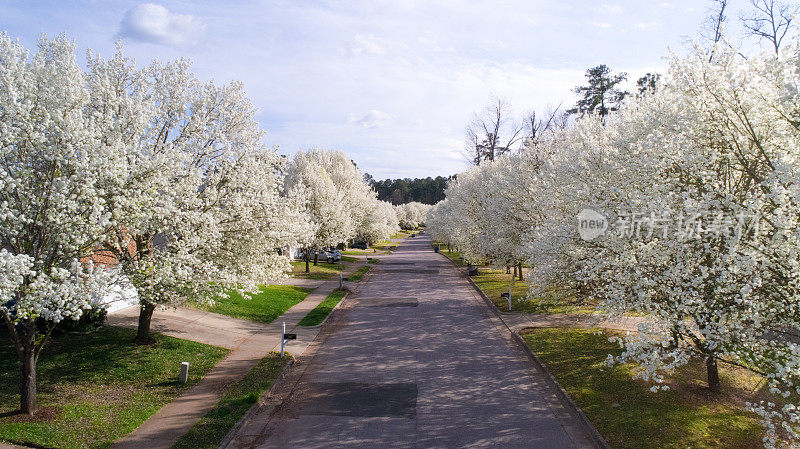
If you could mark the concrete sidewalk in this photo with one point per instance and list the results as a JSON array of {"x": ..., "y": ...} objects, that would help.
[
  {"x": 249, "y": 342},
  {"x": 192, "y": 324}
]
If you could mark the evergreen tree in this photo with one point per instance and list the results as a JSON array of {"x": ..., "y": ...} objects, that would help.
[{"x": 601, "y": 96}]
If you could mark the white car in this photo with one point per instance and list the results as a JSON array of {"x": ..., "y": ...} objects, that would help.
[{"x": 327, "y": 255}]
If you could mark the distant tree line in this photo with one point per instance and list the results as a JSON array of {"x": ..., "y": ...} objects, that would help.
[{"x": 401, "y": 191}]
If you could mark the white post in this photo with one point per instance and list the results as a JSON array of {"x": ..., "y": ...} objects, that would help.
[
  {"x": 283, "y": 340},
  {"x": 184, "y": 374}
]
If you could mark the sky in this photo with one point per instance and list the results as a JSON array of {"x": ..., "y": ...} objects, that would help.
[{"x": 391, "y": 83}]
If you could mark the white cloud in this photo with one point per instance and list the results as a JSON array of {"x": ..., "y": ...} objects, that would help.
[
  {"x": 612, "y": 9},
  {"x": 602, "y": 24},
  {"x": 644, "y": 25},
  {"x": 366, "y": 45},
  {"x": 373, "y": 119},
  {"x": 153, "y": 23}
]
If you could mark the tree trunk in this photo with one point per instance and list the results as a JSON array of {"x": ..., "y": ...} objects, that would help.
[
  {"x": 143, "y": 336},
  {"x": 521, "y": 278},
  {"x": 713, "y": 374},
  {"x": 308, "y": 270},
  {"x": 508, "y": 270},
  {"x": 316, "y": 258},
  {"x": 27, "y": 384}
]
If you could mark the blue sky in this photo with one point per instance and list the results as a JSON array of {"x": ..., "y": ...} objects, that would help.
[{"x": 392, "y": 83}]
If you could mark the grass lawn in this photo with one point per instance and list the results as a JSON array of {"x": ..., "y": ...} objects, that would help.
[
  {"x": 383, "y": 245},
  {"x": 323, "y": 309},
  {"x": 453, "y": 255},
  {"x": 400, "y": 234},
  {"x": 356, "y": 277},
  {"x": 323, "y": 271},
  {"x": 212, "y": 428},
  {"x": 270, "y": 303},
  {"x": 356, "y": 252},
  {"x": 97, "y": 387},
  {"x": 494, "y": 282},
  {"x": 629, "y": 416},
  {"x": 348, "y": 259}
]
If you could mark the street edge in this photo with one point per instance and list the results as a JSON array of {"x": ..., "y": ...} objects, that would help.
[
  {"x": 271, "y": 399},
  {"x": 562, "y": 394}
]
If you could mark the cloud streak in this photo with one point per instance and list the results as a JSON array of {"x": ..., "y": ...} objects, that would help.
[{"x": 373, "y": 119}]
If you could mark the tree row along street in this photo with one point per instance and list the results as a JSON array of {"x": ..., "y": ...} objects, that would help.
[{"x": 624, "y": 271}]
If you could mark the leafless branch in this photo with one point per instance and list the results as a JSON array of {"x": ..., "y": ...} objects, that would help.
[{"x": 770, "y": 20}]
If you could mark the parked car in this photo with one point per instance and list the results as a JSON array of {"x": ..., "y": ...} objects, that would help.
[
  {"x": 359, "y": 245},
  {"x": 333, "y": 254},
  {"x": 330, "y": 255}
]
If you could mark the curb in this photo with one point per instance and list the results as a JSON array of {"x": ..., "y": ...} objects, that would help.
[
  {"x": 560, "y": 392},
  {"x": 366, "y": 277},
  {"x": 263, "y": 402},
  {"x": 291, "y": 374},
  {"x": 324, "y": 320},
  {"x": 257, "y": 407}
]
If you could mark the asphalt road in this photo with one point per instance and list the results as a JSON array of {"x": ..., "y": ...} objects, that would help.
[{"x": 417, "y": 360}]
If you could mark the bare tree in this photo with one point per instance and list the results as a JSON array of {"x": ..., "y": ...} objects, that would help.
[
  {"x": 713, "y": 27},
  {"x": 550, "y": 121},
  {"x": 492, "y": 132},
  {"x": 770, "y": 20}
]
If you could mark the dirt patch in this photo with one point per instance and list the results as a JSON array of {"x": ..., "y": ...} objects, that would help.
[
  {"x": 93, "y": 393},
  {"x": 42, "y": 414}
]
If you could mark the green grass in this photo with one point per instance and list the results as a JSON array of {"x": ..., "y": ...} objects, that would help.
[
  {"x": 356, "y": 252},
  {"x": 377, "y": 247},
  {"x": 628, "y": 415},
  {"x": 373, "y": 261},
  {"x": 383, "y": 245},
  {"x": 323, "y": 309},
  {"x": 322, "y": 272},
  {"x": 453, "y": 255},
  {"x": 356, "y": 277},
  {"x": 212, "y": 428},
  {"x": 264, "y": 307},
  {"x": 349, "y": 259},
  {"x": 94, "y": 388},
  {"x": 494, "y": 282},
  {"x": 400, "y": 235}
]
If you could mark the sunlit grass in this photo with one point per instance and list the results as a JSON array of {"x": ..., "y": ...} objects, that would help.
[
  {"x": 323, "y": 309},
  {"x": 271, "y": 302},
  {"x": 629, "y": 415},
  {"x": 322, "y": 271},
  {"x": 94, "y": 388},
  {"x": 212, "y": 428}
]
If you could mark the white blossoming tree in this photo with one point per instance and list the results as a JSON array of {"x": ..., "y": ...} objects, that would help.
[
  {"x": 197, "y": 209},
  {"x": 718, "y": 145},
  {"x": 699, "y": 184},
  {"x": 334, "y": 196},
  {"x": 51, "y": 208},
  {"x": 379, "y": 223},
  {"x": 410, "y": 215}
]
